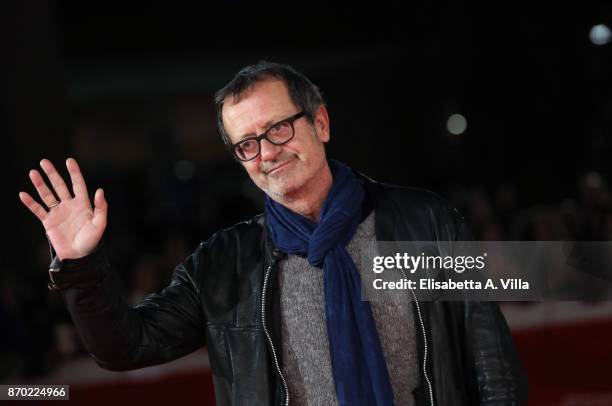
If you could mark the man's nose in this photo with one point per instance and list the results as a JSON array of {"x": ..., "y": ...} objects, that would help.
[{"x": 269, "y": 151}]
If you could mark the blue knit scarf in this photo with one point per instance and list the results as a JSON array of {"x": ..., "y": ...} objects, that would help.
[{"x": 358, "y": 364}]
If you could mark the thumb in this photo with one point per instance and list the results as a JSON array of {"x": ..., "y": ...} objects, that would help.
[{"x": 100, "y": 208}]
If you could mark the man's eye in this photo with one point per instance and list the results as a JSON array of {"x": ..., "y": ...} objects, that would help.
[
  {"x": 279, "y": 126},
  {"x": 248, "y": 145}
]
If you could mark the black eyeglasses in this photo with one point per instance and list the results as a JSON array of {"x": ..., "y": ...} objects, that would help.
[{"x": 278, "y": 134}]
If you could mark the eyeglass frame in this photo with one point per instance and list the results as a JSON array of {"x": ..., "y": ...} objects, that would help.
[{"x": 264, "y": 135}]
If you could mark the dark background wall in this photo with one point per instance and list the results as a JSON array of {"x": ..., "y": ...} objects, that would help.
[{"x": 127, "y": 90}]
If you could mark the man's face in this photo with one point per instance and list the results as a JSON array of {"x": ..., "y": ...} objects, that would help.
[{"x": 279, "y": 170}]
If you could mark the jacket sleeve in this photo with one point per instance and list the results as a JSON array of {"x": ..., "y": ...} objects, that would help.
[
  {"x": 162, "y": 327},
  {"x": 498, "y": 376}
]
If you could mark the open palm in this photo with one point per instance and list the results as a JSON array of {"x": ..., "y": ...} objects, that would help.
[{"x": 73, "y": 227}]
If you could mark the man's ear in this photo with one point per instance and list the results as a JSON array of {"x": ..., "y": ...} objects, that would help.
[{"x": 321, "y": 122}]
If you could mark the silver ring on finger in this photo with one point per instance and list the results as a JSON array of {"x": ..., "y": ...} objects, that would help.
[{"x": 53, "y": 204}]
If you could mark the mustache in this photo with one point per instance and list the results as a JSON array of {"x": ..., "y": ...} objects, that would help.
[{"x": 268, "y": 166}]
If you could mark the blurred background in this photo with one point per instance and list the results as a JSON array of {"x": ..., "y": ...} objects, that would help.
[{"x": 504, "y": 109}]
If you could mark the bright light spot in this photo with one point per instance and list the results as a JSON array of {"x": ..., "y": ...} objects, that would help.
[
  {"x": 456, "y": 124},
  {"x": 184, "y": 170},
  {"x": 600, "y": 34}
]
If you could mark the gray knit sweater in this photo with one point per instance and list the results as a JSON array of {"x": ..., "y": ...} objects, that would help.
[{"x": 306, "y": 358}]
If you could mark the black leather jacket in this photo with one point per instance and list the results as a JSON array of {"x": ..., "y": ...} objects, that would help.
[{"x": 225, "y": 295}]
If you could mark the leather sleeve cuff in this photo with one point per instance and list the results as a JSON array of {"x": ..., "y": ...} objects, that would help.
[{"x": 78, "y": 272}]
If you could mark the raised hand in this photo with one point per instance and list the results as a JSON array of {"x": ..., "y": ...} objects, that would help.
[{"x": 72, "y": 226}]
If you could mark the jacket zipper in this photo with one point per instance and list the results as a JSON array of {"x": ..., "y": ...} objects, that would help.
[
  {"x": 418, "y": 308},
  {"x": 275, "y": 357},
  {"x": 267, "y": 333}
]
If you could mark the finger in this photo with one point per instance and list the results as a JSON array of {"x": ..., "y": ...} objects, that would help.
[
  {"x": 78, "y": 183},
  {"x": 32, "y": 205},
  {"x": 100, "y": 209},
  {"x": 56, "y": 180},
  {"x": 43, "y": 190}
]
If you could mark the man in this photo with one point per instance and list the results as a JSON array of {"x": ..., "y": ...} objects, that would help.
[{"x": 277, "y": 298}]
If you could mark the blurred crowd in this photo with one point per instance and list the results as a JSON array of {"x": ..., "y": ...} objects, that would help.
[
  {"x": 154, "y": 226},
  {"x": 498, "y": 216}
]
